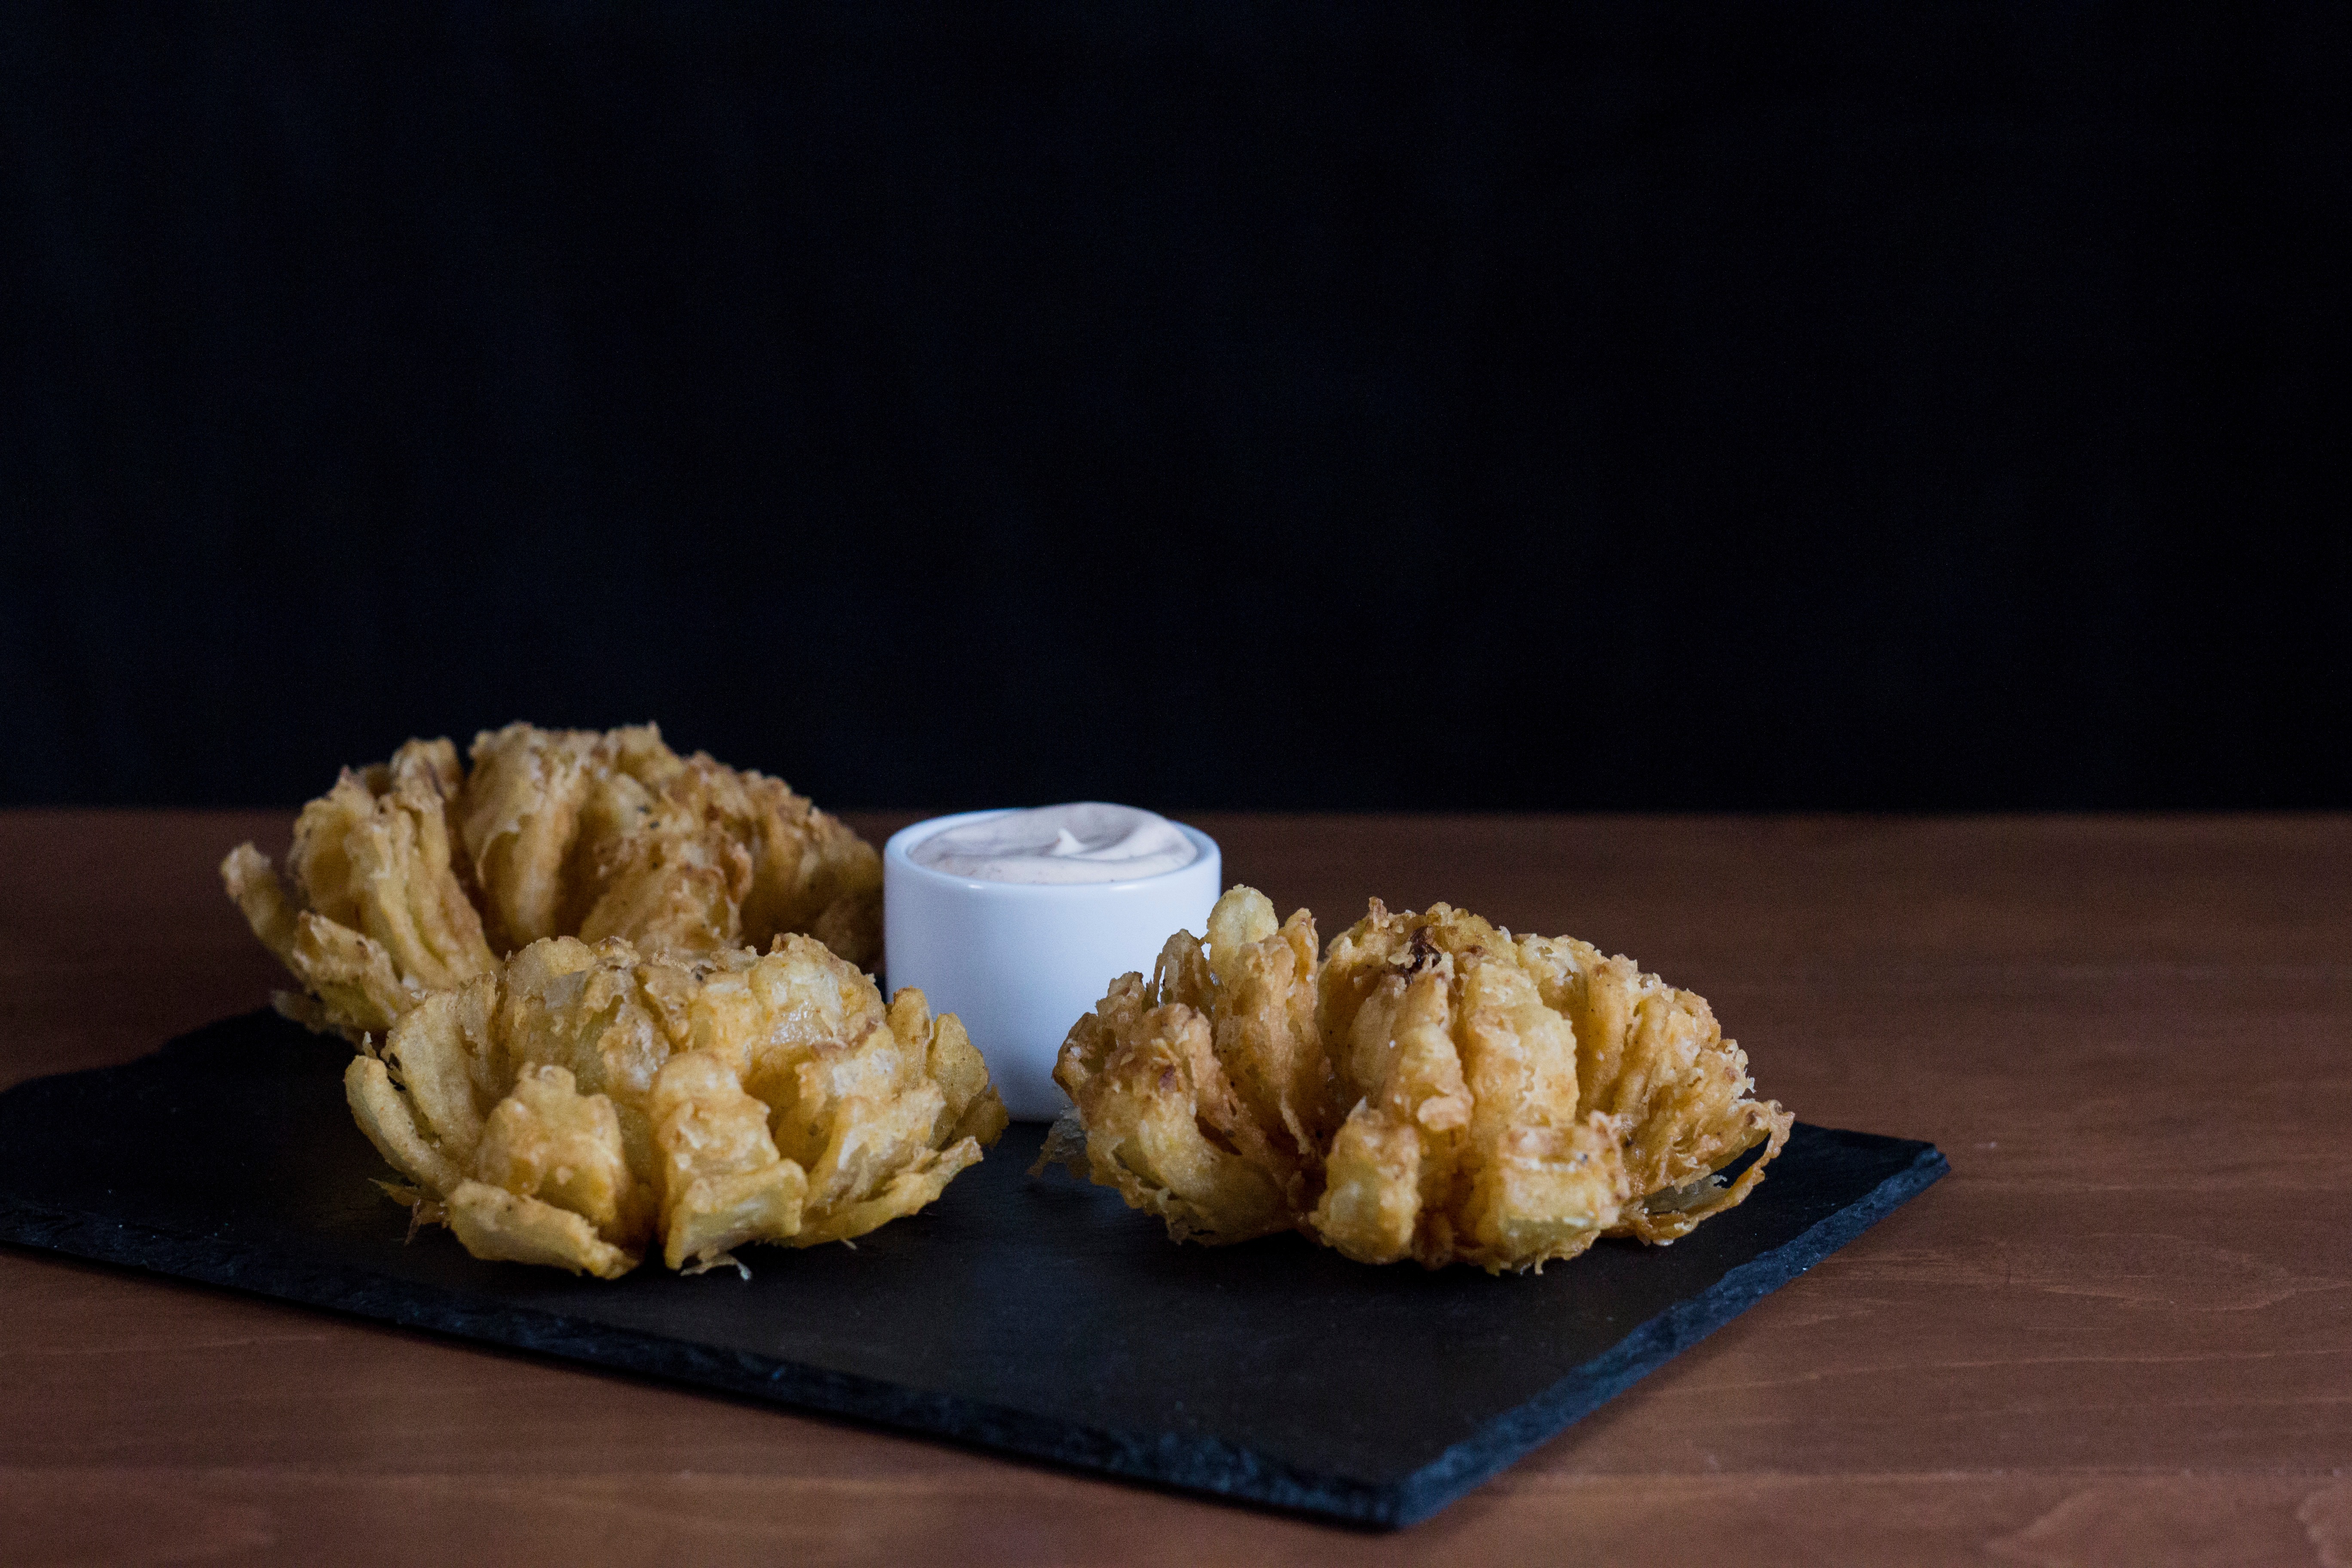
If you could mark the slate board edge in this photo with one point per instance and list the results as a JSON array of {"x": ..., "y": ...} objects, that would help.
[
  {"x": 1508, "y": 1438},
  {"x": 1205, "y": 1466}
]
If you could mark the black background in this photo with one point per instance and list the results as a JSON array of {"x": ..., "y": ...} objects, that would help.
[{"x": 1711, "y": 404}]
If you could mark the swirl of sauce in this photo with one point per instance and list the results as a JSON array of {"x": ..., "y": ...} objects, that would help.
[{"x": 1086, "y": 841}]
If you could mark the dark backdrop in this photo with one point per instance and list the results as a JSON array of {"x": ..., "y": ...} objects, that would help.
[{"x": 1917, "y": 405}]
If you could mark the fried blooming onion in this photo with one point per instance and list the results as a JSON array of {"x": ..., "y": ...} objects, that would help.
[
  {"x": 411, "y": 877},
  {"x": 571, "y": 1045},
  {"x": 1435, "y": 1089},
  {"x": 578, "y": 1105}
]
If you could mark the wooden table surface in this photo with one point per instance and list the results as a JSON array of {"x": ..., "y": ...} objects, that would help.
[{"x": 2119, "y": 1332}]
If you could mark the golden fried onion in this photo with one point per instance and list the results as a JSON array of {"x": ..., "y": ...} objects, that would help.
[
  {"x": 1433, "y": 1089},
  {"x": 580, "y": 1106},
  {"x": 414, "y": 877}
]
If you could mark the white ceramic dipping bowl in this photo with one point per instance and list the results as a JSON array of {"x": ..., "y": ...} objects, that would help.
[{"x": 1020, "y": 961}]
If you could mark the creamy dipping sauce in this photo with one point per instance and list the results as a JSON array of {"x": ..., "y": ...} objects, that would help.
[{"x": 1088, "y": 841}]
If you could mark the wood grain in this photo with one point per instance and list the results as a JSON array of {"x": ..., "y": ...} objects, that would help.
[{"x": 2120, "y": 1332}]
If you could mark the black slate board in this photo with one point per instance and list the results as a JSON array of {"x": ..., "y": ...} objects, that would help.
[{"x": 1037, "y": 1316}]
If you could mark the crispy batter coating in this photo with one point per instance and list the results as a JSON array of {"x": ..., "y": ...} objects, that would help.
[
  {"x": 415, "y": 876},
  {"x": 581, "y": 1106},
  {"x": 1433, "y": 1089}
]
